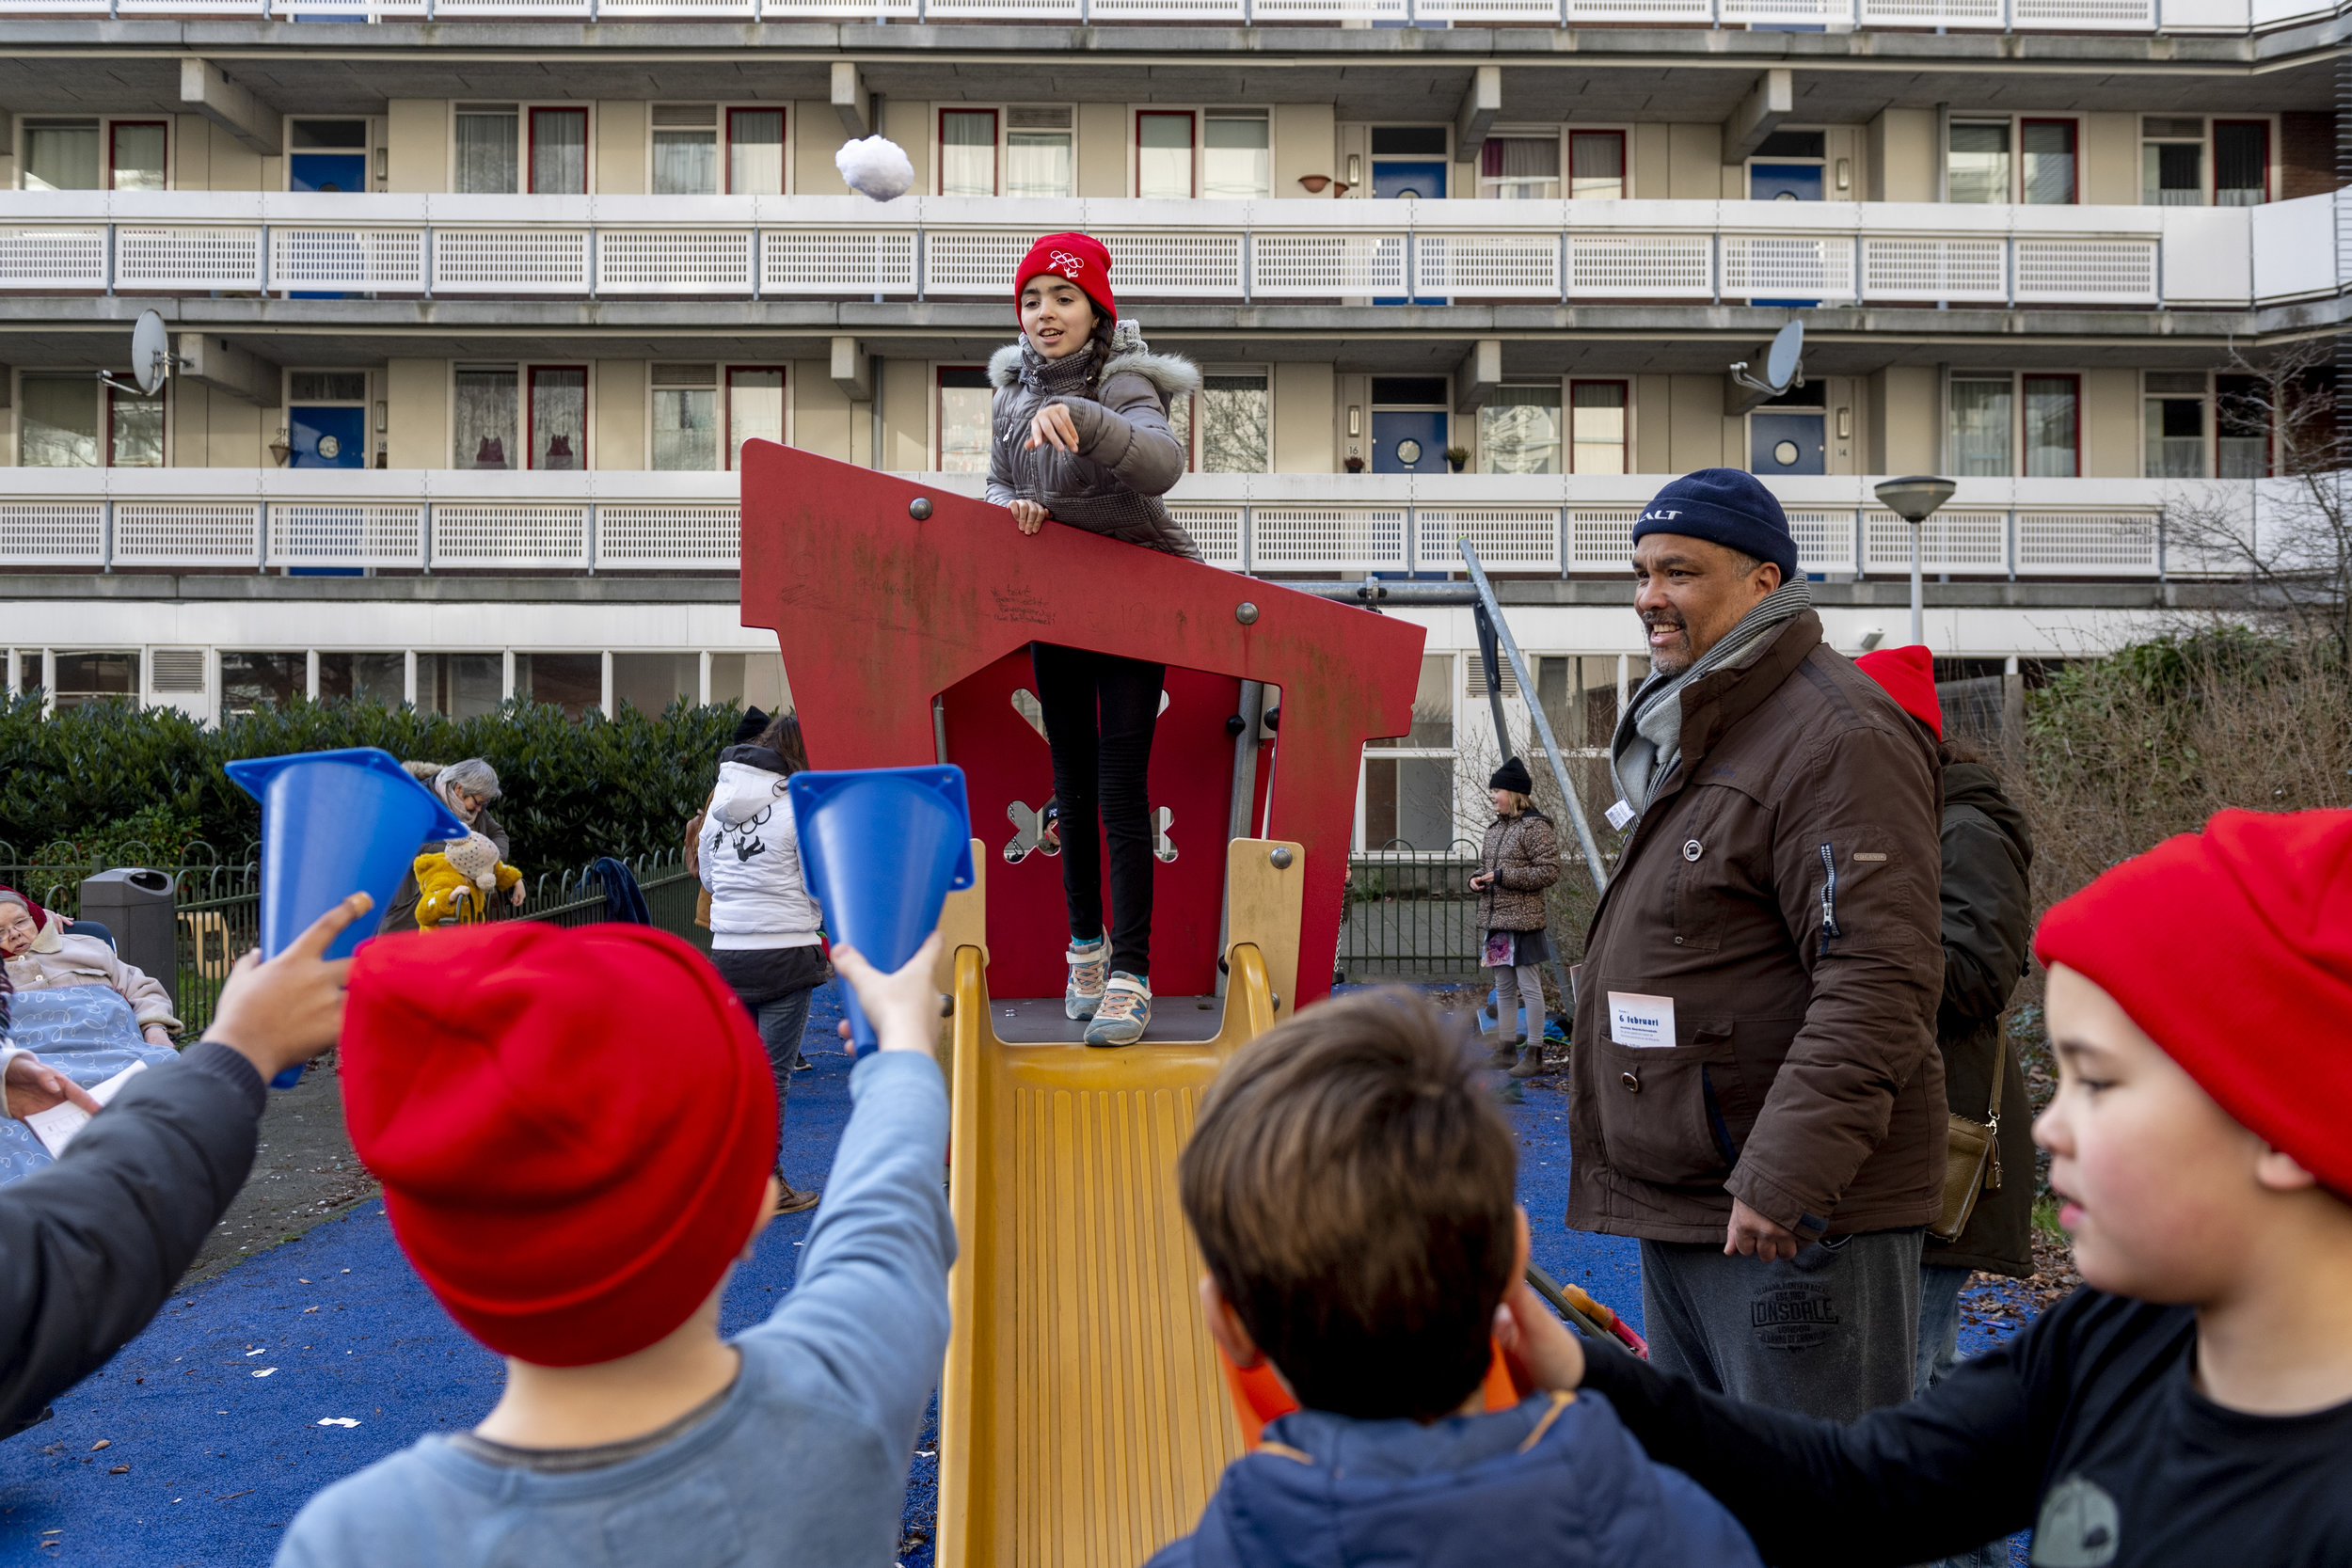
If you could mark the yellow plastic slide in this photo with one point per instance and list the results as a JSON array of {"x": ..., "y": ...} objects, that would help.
[{"x": 1083, "y": 1417}]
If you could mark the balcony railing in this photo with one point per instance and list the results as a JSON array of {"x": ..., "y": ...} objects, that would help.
[
  {"x": 612, "y": 520},
  {"x": 2024, "y": 16},
  {"x": 1256, "y": 252}
]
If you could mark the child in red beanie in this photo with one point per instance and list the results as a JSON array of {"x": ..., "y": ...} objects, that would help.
[
  {"x": 576, "y": 1186},
  {"x": 2192, "y": 1403}
]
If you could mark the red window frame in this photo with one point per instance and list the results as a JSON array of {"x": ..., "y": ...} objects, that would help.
[
  {"x": 1567, "y": 422},
  {"x": 2213, "y": 156},
  {"x": 727, "y": 405},
  {"x": 1625, "y": 171},
  {"x": 1192, "y": 142},
  {"x": 531, "y": 113},
  {"x": 106, "y": 453},
  {"x": 113, "y": 128},
  {"x": 2074, "y": 188},
  {"x": 2025, "y": 444},
  {"x": 531, "y": 404},
  {"x": 727, "y": 143},
  {"x": 995, "y": 149}
]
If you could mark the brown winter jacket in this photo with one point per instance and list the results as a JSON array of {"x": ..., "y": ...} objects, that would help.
[
  {"x": 1782, "y": 889},
  {"x": 1524, "y": 855}
]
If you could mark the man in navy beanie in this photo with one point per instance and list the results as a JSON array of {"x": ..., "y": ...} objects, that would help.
[{"x": 1761, "y": 1102}]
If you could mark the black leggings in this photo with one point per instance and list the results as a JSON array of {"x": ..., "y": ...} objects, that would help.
[{"x": 1100, "y": 712}]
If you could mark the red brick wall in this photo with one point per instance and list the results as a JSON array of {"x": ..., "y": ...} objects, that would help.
[{"x": 2306, "y": 153}]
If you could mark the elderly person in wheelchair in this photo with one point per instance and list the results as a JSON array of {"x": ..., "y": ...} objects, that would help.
[{"x": 42, "y": 954}]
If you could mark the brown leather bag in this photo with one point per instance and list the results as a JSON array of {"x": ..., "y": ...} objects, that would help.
[{"x": 1972, "y": 1160}]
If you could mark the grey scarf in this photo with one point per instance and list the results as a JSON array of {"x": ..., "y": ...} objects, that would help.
[
  {"x": 1648, "y": 742},
  {"x": 1114, "y": 511}
]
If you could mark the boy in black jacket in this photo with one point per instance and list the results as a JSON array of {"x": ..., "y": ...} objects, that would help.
[{"x": 2192, "y": 1406}]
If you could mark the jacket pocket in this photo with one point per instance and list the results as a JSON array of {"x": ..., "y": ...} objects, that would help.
[{"x": 1661, "y": 1119}]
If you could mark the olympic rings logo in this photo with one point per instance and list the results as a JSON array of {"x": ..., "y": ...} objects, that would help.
[{"x": 1062, "y": 262}]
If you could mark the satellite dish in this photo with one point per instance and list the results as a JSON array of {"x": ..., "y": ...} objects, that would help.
[
  {"x": 150, "y": 358},
  {"x": 1782, "y": 362}
]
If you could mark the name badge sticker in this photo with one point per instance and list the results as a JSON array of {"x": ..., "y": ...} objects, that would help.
[{"x": 1641, "y": 1023}]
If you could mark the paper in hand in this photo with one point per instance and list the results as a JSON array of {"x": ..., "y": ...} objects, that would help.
[{"x": 57, "y": 1126}]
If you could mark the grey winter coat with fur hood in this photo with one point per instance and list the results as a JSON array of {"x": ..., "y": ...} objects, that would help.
[{"x": 1127, "y": 456}]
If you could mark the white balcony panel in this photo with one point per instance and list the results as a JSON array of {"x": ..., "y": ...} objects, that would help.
[
  {"x": 2086, "y": 543},
  {"x": 1793, "y": 266},
  {"x": 2086, "y": 272},
  {"x": 52, "y": 534},
  {"x": 657, "y": 538},
  {"x": 2207, "y": 259},
  {"x": 188, "y": 8},
  {"x": 510, "y": 260},
  {"x": 1288, "y": 266},
  {"x": 1227, "y": 12},
  {"x": 1330, "y": 11},
  {"x": 1523, "y": 11},
  {"x": 2085, "y": 16},
  {"x": 674, "y": 261},
  {"x": 338, "y": 533},
  {"x": 373, "y": 10},
  {"x": 2283, "y": 13},
  {"x": 962, "y": 263},
  {"x": 53, "y": 258},
  {"x": 662, "y": 11},
  {"x": 507, "y": 534},
  {"x": 2294, "y": 247},
  {"x": 1974, "y": 542},
  {"x": 187, "y": 534},
  {"x": 837, "y": 261},
  {"x": 307, "y": 257},
  {"x": 2206, "y": 16},
  {"x": 1215, "y": 529},
  {"x": 53, "y": 7},
  {"x": 1640, "y": 266},
  {"x": 1512, "y": 539},
  {"x": 1924, "y": 268},
  {"x": 1825, "y": 540},
  {"x": 1600, "y": 539},
  {"x": 193, "y": 259},
  {"x": 1191, "y": 266},
  {"x": 1931, "y": 13},
  {"x": 527, "y": 10},
  {"x": 1492, "y": 266},
  {"x": 1766, "y": 13},
  {"x": 1327, "y": 538},
  {"x": 1004, "y": 10}
]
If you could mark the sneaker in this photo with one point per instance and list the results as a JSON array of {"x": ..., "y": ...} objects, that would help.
[
  {"x": 800, "y": 1062},
  {"x": 1088, "y": 962},
  {"x": 1124, "y": 1013},
  {"x": 792, "y": 1200}
]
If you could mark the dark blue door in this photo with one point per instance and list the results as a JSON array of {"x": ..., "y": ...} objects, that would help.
[
  {"x": 327, "y": 171},
  {"x": 1409, "y": 183},
  {"x": 1784, "y": 181},
  {"x": 1408, "y": 441},
  {"x": 1785, "y": 444},
  {"x": 326, "y": 437}
]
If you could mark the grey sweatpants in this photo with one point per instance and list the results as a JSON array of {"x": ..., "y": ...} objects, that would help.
[
  {"x": 1515, "y": 989},
  {"x": 1832, "y": 1332}
]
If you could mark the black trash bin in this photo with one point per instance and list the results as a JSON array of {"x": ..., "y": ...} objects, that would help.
[{"x": 137, "y": 906}]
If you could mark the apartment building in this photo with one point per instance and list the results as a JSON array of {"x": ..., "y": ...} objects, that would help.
[{"x": 475, "y": 302}]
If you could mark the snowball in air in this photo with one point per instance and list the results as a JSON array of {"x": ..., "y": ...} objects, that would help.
[{"x": 875, "y": 166}]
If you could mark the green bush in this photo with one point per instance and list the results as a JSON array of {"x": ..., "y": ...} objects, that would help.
[{"x": 105, "y": 774}]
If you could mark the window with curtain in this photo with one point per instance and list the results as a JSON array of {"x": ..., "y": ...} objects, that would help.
[
  {"x": 2242, "y": 407},
  {"x": 1596, "y": 416},
  {"x": 559, "y": 417},
  {"x": 685, "y": 149},
  {"x": 1236, "y": 424},
  {"x": 967, "y": 152},
  {"x": 1978, "y": 167},
  {"x": 755, "y": 407},
  {"x": 964, "y": 396},
  {"x": 485, "y": 418},
  {"x": 135, "y": 430},
  {"x": 1519, "y": 168},
  {"x": 137, "y": 159},
  {"x": 756, "y": 151},
  {"x": 1981, "y": 415},
  {"x": 2172, "y": 161},
  {"x": 2175, "y": 444},
  {"x": 1164, "y": 154},
  {"x": 559, "y": 152},
  {"x": 57, "y": 421},
  {"x": 1597, "y": 165},
  {"x": 2048, "y": 146},
  {"x": 1039, "y": 160},
  {"x": 1519, "y": 428},
  {"x": 1235, "y": 160},
  {"x": 2241, "y": 163},
  {"x": 685, "y": 417},
  {"x": 2052, "y": 425},
  {"x": 485, "y": 156},
  {"x": 60, "y": 154}
]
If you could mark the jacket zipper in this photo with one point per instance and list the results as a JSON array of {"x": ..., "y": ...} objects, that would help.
[{"x": 1829, "y": 899}]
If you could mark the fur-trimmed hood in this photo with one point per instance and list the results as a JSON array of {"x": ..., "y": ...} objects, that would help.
[{"x": 1171, "y": 375}]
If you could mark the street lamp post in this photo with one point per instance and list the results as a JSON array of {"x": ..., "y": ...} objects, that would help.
[{"x": 1915, "y": 498}]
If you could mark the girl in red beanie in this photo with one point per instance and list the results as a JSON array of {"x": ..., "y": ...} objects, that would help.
[
  {"x": 2192, "y": 1403},
  {"x": 1081, "y": 436}
]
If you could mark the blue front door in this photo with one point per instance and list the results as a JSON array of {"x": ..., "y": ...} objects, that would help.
[
  {"x": 1408, "y": 441},
  {"x": 326, "y": 437},
  {"x": 1784, "y": 181},
  {"x": 1785, "y": 444},
  {"x": 1409, "y": 183},
  {"x": 327, "y": 171}
]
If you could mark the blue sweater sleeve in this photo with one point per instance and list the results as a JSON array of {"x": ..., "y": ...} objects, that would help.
[{"x": 871, "y": 1302}]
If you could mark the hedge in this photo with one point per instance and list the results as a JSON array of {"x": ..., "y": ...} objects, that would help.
[{"x": 574, "y": 789}]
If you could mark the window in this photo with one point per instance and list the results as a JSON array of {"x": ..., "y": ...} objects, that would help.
[
  {"x": 1518, "y": 430},
  {"x": 1597, "y": 426},
  {"x": 1981, "y": 415},
  {"x": 1597, "y": 165},
  {"x": 559, "y": 417},
  {"x": 1038, "y": 157},
  {"x": 134, "y": 429},
  {"x": 135, "y": 156},
  {"x": 2172, "y": 161},
  {"x": 559, "y": 152},
  {"x": 964, "y": 435},
  {"x": 685, "y": 149},
  {"x": 460, "y": 685},
  {"x": 381, "y": 678},
  {"x": 2175, "y": 411},
  {"x": 59, "y": 421},
  {"x": 756, "y": 151},
  {"x": 1409, "y": 801},
  {"x": 967, "y": 152},
  {"x": 1519, "y": 168},
  {"x": 554, "y": 156},
  {"x": 330, "y": 136},
  {"x": 250, "y": 681},
  {"x": 1580, "y": 698},
  {"x": 95, "y": 678},
  {"x": 485, "y": 418},
  {"x": 573, "y": 682},
  {"x": 2241, "y": 163},
  {"x": 1164, "y": 154},
  {"x": 1236, "y": 424},
  {"x": 685, "y": 417},
  {"x": 1235, "y": 156},
  {"x": 1978, "y": 168},
  {"x": 651, "y": 682},
  {"x": 2052, "y": 406},
  {"x": 755, "y": 680},
  {"x": 60, "y": 154},
  {"x": 2242, "y": 409},
  {"x": 484, "y": 148},
  {"x": 327, "y": 386},
  {"x": 755, "y": 407},
  {"x": 2050, "y": 179}
]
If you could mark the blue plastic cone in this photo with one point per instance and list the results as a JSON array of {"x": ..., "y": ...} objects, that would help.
[
  {"x": 333, "y": 824},
  {"x": 881, "y": 847}
]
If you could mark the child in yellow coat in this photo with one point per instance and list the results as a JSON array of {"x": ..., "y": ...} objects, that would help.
[{"x": 455, "y": 884}]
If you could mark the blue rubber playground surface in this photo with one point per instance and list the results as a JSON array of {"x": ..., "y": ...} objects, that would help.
[{"x": 257, "y": 1388}]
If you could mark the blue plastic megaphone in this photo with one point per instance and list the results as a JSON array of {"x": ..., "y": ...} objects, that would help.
[
  {"x": 881, "y": 847},
  {"x": 333, "y": 824}
]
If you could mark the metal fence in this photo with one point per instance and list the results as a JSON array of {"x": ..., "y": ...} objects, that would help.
[{"x": 1409, "y": 915}]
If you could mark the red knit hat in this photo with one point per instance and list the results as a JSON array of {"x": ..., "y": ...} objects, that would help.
[
  {"x": 573, "y": 1127},
  {"x": 2232, "y": 949},
  {"x": 1081, "y": 258},
  {"x": 1909, "y": 677}
]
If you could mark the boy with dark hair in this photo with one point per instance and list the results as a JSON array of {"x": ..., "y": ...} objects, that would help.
[
  {"x": 2192, "y": 1403},
  {"x": 1351, "y": 1188}
]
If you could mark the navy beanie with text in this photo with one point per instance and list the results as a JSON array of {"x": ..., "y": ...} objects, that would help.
[{"x": 1724, "y": 506}]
